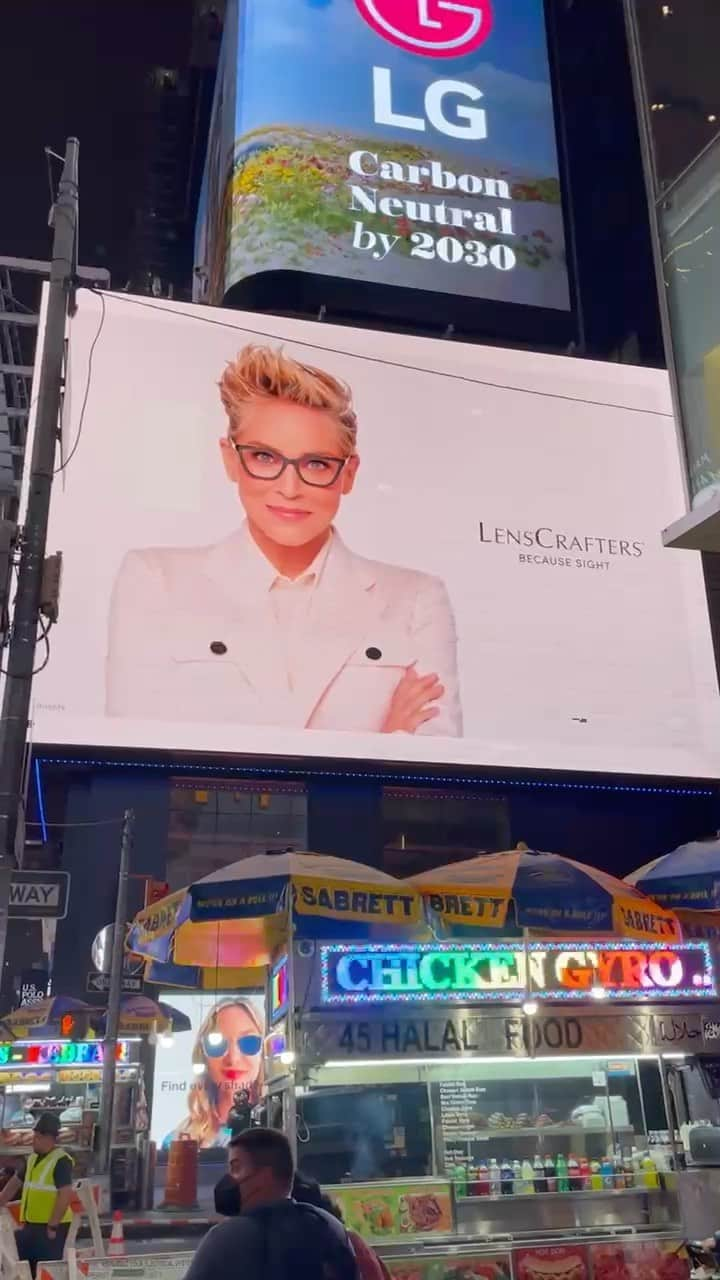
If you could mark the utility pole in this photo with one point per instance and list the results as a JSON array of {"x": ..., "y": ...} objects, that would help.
[
  {"x": 20, "y": 663},
  {"x": 112, "y": 1024}
]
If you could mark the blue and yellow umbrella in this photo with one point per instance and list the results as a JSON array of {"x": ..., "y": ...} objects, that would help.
[
  {"x": 686, "y": 881},
  {"x": 505, "y": 894},
  {"x": 222, "y": 931},
  {"x": 688, "y": 878}
]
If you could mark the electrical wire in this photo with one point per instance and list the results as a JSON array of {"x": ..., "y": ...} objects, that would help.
[
  {"x": 357, "y": 355},
  {"x": 88, "y": 384},
  {"x": 45, "y": 637}
]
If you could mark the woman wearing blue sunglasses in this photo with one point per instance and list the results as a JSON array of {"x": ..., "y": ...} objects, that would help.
[{"x": 229, "y": 1048}]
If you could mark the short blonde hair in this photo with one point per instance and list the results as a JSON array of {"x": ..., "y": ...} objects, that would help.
[{"x": 262, "y": 373}]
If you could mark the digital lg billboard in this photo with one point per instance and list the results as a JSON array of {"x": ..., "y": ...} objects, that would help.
[
  {"x": 281, "y": 537},
  {"x": 401, "y": 142}
]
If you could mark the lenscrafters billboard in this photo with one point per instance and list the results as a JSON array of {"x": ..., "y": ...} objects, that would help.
[
  {"x": 373, "y": 546},
  {"x": 400, "y": 142}
]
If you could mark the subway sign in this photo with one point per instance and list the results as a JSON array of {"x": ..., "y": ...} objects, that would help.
[
  {"x": 400, "y": 142},
  {"x": 495, "y": 972}
]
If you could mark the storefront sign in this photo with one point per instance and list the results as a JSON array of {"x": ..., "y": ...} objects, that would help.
[
  {"x": 468, "y": 1032},
  {"x": 91, "y": 1075},
  {"x": 49, "y": 1053},
  {"x": 442, "y": 973}
]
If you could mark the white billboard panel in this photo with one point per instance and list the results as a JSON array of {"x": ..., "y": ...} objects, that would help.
[{"x": 486, "y": 585}]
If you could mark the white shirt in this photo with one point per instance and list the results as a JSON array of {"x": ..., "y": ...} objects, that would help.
[{"x": 291, "y": 600}]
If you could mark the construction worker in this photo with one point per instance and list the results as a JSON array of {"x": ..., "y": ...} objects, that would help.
[{"x": 45, "y": 1191}]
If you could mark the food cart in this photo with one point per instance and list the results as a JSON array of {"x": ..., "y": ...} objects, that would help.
[
  {"x": 65, "y": 1077},
  {"x": 489, "y": 1107}
]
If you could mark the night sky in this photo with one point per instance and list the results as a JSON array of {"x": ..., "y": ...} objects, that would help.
[{"x": 79, "y": 67}]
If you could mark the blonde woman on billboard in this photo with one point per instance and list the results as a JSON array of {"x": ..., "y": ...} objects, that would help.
[
  {"x": 229, "y": 1047},
  {"x": 281, "y": 623}
]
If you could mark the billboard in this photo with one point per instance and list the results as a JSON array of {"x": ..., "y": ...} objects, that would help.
[
  {"x": 456, "y": 560},
  {"x": 204, "y": 1076},
  {"x": 399, "y": 142}
]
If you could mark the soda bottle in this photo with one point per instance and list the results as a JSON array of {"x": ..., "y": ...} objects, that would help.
[
  {"x": 483, "y": 1180},
  {"x": 574, "y": 1182},
  {"x": 550, "y": 1178},
  {"x": 561, "y": 1169},
  {"x": 539, "y": 1179},
  {"x": 650, "y": 1173},
  {"x": 585, "y": 1173},
  {"x": 460, "y": 1179},
  {"x": 495, "y": 1178},
  {"x": 506, "y": 1178},
  {"x": 596, "y": 1181},
  {"x": 528, "y": 1178}
]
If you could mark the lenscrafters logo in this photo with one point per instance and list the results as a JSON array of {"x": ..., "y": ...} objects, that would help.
[
  {"x": 561, "y": 548},
  {"x": 433, "y": 28}
]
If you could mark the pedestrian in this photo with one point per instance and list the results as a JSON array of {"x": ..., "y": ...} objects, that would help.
[
  {"x": 306, "y": 1191},
  {"x": 45, "y": 1189},
  {"x": 370, "y": 1266},
  {"x": 274, "y": 1236}
]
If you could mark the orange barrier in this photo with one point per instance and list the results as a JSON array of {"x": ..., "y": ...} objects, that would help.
[
  {"x": 116, "y": 1246},
  {"x": 182, "y": 1175},
  {"x": 75, "y": 1204}
]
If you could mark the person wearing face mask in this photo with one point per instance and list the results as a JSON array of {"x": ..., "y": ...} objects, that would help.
[
  {"x": 274, "y": 1236},
  {"x": 306, "y": 1191},
  {"x": 281, "y": 624}
]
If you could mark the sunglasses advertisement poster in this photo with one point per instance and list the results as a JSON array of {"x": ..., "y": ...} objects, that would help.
[
  {"x": 310, "y": 540},
  {"x": 209, "y": 1077}
]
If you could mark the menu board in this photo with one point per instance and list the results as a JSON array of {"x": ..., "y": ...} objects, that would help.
[
  {"x": 383, "y": 1210},
  {"x": 464, "y": 1266},
  {"x": 649, "y": 1260},
  {"x": 460, "y": 1108},
  {"x": 552, "y": 1262}
]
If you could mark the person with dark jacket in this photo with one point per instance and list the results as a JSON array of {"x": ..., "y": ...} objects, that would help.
[
  {"x": 276, "y": 1237},
  {"x": 306, "y": 1191}
]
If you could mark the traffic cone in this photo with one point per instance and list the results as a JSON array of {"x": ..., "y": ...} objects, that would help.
[{"x": 116, "y": 1247}]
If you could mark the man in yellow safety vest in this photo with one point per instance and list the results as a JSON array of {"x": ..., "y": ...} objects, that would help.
[{"x": 46, "y": 1187}]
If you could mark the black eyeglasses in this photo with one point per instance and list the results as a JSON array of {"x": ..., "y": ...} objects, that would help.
[{"x": 314, "y": 469}]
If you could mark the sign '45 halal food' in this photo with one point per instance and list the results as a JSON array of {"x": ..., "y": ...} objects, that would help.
[{"x": 376, "y": 974}]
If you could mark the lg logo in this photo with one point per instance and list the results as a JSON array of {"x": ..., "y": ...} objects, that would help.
[{"x": 433, "y": 28}]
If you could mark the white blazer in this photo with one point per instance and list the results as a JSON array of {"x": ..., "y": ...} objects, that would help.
[{"x": 193, "y": 637}]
